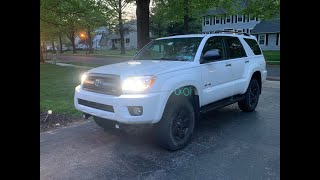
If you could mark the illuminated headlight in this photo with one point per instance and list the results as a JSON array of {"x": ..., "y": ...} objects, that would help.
[
  {"x": 138, "y": 84},
  {"x": 83, "y": 77}
]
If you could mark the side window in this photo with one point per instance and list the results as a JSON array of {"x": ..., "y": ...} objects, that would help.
[
  {"x": 215, "y": 42},
  {"x": 234, "y": 48},
  {"x": 253, "y": 45}
]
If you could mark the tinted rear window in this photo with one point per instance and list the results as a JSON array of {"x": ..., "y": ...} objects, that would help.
[
  {"x": 234, "y": 47},
  {"x": 253, "y": 45}
]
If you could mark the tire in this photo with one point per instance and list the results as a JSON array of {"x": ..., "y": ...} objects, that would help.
[
  {"x": 104, "y": 123},
  {"x": 174, "y": 130},
  {"x": 250, "y": 101}
]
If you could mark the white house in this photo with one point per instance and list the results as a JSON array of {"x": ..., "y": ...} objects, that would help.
[{"x": 267, "y": 32}]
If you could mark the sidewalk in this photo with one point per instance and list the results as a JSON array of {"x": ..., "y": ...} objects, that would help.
[{"x": 276, "y": 69}]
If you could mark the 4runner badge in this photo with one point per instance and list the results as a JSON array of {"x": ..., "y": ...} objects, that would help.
[{"x": 98, "y": 82}]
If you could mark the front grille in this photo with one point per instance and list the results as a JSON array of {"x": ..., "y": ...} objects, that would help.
[
  {"x": 96, "y": 105},
  {"x": 103, "y": 83}
]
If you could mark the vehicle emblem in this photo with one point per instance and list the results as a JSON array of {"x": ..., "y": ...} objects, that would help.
[{"x": 98, "y": 82}]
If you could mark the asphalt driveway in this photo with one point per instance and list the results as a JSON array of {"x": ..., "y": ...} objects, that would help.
[{"x": 227, "y": 144}]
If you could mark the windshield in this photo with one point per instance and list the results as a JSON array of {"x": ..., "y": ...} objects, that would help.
[{"x": 173, "y": 49}]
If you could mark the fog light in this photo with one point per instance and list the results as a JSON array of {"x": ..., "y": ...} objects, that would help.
[{"x": 135, "y": 110}]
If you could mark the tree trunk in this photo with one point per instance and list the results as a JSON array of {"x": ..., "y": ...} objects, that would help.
[
  {"x": 41, "y": 54},
  {"x": 142, "y": 13},
  {"x": 71, "y": 37},
  {"x": 53, "y": 48},
  {"x": 89, "y": 41},
  {"x": 186, "y": 18},
  {"x": 60, "y": 43},
  {"x": 123, "y": 51}
]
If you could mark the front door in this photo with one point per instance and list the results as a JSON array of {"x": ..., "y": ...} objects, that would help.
[{"x": 216, "y": 74}]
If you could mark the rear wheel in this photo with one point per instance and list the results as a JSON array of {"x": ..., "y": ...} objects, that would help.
[
  {"x": 175, "y": 128},
  {"x": 250, "y": 101}
]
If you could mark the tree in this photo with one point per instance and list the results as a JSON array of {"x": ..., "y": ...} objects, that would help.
[
  {"x": 71, "y": 16},
  {"x": 95, "y": 16},
  {"x": 142, "y": 13},
  {"x": 187, "y": 11},
  {"x": 263, "y": 9},
  {"x": 118, "y": 6}
]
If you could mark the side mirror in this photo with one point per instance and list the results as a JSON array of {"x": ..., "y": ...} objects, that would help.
[{"x": 212, "y": 55}]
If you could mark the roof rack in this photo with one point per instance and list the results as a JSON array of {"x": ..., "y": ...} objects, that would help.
[{"x": 231, "y": 32}]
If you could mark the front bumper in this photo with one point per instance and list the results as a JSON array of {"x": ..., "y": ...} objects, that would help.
[{"x": 153, "y": 105}]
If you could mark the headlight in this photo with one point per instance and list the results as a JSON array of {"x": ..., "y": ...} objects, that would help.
[
  {"x": 138, "y": 84},
  {"x": 83, "y": 77}
]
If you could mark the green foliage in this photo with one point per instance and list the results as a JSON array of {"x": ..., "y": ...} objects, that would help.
[
  {"x": 59, "y": 17},
  {"x": 168, "y": 15},
  {"x": 264, "y": 9}
]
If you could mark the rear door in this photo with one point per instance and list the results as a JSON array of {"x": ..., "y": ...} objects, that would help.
[{"x": 237, "y": 57}]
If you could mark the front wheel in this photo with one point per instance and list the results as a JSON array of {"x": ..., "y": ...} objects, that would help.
[
  {"x": 175, "y": 128},
  {"x": 251, "y": 97}
]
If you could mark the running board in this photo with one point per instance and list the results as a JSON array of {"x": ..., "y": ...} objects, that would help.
[{"x": 221, "y": 103}]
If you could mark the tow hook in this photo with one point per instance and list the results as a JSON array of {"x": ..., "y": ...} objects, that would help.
[{"x": 86, "y": 116}]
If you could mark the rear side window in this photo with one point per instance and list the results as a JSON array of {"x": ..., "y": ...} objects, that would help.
[
  {"x": 234, "y": 47},
  {"x": 253, "y": 45}
]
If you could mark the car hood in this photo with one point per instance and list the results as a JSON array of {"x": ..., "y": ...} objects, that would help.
[{"x": 138, "y": 68}]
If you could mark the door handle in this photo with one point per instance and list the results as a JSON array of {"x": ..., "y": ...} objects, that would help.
[
  {"x": 246, "y": 61},
  {"x": 228, "y": 64}
]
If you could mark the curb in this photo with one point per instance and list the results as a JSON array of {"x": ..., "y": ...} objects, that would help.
[
  {"x": 271, "y": 78},
  {"x": 67, "y": 65}
]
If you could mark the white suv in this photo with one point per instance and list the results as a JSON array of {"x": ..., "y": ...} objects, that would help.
[{"x": 170, "y": 81}]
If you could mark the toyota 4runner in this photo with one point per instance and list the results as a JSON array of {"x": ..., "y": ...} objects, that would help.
[{"x": 170, "y": 81}]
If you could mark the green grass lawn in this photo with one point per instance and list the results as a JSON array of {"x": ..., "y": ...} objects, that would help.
[
  {"x": 272, "y": 56},
  {"x": 57, "y": 85},
  {"x": 103, "y": 53}
]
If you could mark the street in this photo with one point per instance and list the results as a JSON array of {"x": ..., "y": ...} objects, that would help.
[
  {"x": 227, "y": 144},
  {"x": 273, "y": 70}
]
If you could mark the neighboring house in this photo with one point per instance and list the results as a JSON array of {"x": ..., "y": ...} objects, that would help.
[
  {"x": 268, "y": 34},
  {"x": 218, "y": 19},
  {"x": 112, "y": 40}
]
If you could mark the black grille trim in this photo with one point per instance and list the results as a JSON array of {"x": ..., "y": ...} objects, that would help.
[
  {"x": 111, "y": 84},
  {"x": 95, "y": 105}
]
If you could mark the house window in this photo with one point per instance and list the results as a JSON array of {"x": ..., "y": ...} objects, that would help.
[
  {"x": 239, "y": 30},
  {"x": 240, "y": 18},
  {"x": 127, "y": 40},
  {"x": 278, "y": 39},
  {"x": 262, "y": 39},
  {"x": 217, "y": 20},
  {"x": 207, "y": 21},
  {"x": 228, "y": 19},
  {"x": 210, "y": 21},
  {"x": 252, "y": 18},
  {"x": 250, "y": 30}
]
